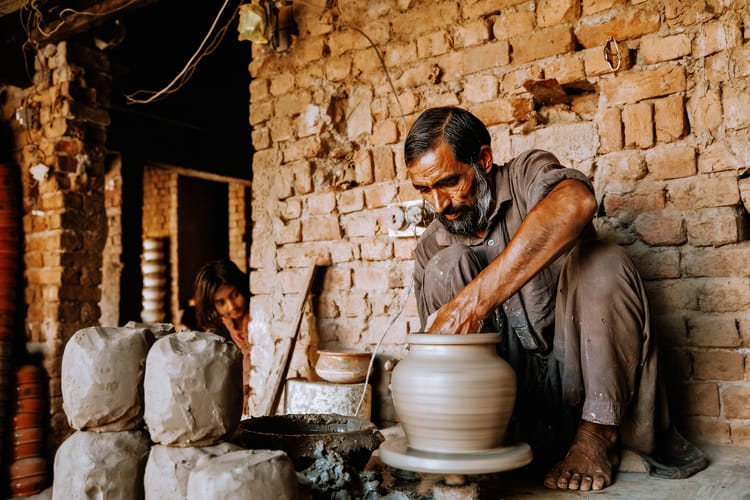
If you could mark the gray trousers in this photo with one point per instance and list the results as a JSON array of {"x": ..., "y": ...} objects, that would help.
[{"x": 603, "y": 363}]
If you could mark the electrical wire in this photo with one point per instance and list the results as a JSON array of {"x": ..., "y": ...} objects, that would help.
[{"x": 187, "y": 69}]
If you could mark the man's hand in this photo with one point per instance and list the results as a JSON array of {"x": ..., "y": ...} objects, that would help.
[{"x": 549, "y": 229}]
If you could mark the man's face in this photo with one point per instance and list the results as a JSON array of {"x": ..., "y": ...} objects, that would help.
[{"x": 458, "y": 192}]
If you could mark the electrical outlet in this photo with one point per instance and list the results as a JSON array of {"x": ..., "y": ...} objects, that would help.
[{"x": 409, "y": 218}]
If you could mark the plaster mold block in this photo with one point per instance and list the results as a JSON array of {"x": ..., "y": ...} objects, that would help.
[
  {"x": 192, "y": 389},
  {"x": 102, "y": 376},
  {"x": 245, "y": 474},
  {"x": 101, "y": 465},
  {"x": 168, "y": 468}
]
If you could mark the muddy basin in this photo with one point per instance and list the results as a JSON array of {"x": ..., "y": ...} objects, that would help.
[{"x": 300, "y": 435}]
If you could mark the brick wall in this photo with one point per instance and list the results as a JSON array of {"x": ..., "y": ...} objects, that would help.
[
  {"x": 665, "y": 140},
  {"x": 65, "y": 219}
]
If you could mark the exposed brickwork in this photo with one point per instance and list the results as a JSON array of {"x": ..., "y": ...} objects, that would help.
[{"x": 664, "y": 140}]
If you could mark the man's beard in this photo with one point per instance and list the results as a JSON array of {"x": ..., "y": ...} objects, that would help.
[{"x": 474, "y": 217}]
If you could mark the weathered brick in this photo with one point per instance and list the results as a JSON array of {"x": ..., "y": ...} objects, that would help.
[
  {"x": 483, "y": 7},
  {"x": 403, "y": 248},
  {"x": 655, "y": 49},
  {"x": 718, "y": 365},
  {"x": 281, "y": 129},
  {"x": 715, "y": 226},
  {"x": 384, "y": 132},
  {"x": 512, "y": 81},
  {"x": 372, "y": 276},
  {"x": 433, "y": 44},
  {"x": 715, "y": 36},
  {"x": 289, "y": 232},
  {"x": 622, "y": 165},
  {"x": 585, "y": 106},
  {"x": 724, "y": 294},
  {"x": 480, "y": 88},
  {"x": 740, "y": 433},
  {"x": 638, "y": 124},
  {"x": 704, "y": 112},
  {"x": 281, "y": 84},
  {"x": 589, "y": 7},
  {"x": 384, "y": 168},
  {"x": 671, "y": 295},
  {"x": 293, "y": 103},
  {"x": 343, "y": 251},
  {"x": 260, "y": 112},
  {"x": 736, "y": 401},
  {"x": 359, "y": 224},
  {"x": 321, "y": 228},
  {"x": 399, "y": 54},
  {"x": 301, "y": 176},
  {"x": 418, "y": 21},
  {"x": 736, "y": 106},
  {"x": 542, "y": 43},
  {"x": 471, "y": 33},
  {"x": 627, "y": 205},
  {"x": 633, "y": 86},
  {"x": 552, "y": 12},
  {"x": 628, "y": 24},
  {"x": 595, "y": 64},
  {"x": 704, "y": 192},
  {"x": 661, "y": 229},
  {"x": 728, "y": 260},
  {"x": 337, "y": 278},
  {"x": 707, "y": 429},
  {"x": 261, "y": 138},
  {"x": 713, "y": 330},
  {"x": 565, "y": 69},
  {"x": 488, "y": 56},
  {"x": 290, "y": 208},
  {"x": 351, "y": 200},
  {"x": 363, "y": 172},
  {"x": 513, "y": 22},
  {"x": 321, "y": 204},
  {"x": 656, "y": 263},
  {"x": 304, "y": 148},
  {"x": 671, "y": 161},
  {"x": 380, "y": 195},
  {"x": 610, "y": 130},
  {"x": 338, "y": 68},
  {"x": 376, "y": 248},
  {"x": 258, "y": 89},
  {"x": 701, "y": 399},
  {"x": 669, "y": 118}
]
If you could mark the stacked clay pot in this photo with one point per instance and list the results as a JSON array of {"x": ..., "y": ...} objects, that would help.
[
  {"x": 28, "y": 472},
  {"x": 10, "y": 272}
]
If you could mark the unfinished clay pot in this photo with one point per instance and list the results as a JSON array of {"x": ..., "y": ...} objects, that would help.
[
  {"x": 343, "y": 366},
  {"x": 453, "y": 393}
]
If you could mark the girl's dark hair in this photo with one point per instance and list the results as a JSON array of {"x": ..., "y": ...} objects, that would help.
[
  {"x": 464, "y": 133},
  {"x": 209, "y": 279}
]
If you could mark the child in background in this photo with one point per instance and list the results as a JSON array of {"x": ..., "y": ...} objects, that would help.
[{"x": 222, "y": 301}]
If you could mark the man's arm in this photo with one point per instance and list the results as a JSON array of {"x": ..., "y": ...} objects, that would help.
[{"x": 549, "y": 229}]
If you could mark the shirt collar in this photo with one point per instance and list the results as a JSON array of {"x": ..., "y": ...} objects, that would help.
[{"x": 502, "y": 194}]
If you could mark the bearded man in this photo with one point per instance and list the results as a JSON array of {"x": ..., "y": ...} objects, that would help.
[{"x": 513, "y": 250}]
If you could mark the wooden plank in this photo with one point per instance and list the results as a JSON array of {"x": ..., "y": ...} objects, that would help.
[{"x": 283, "y": 355}]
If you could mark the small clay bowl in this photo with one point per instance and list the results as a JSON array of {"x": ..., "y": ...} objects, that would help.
[
  {"x": 29, "y": 485},
  {"x": 28, "y": 435},
  {"x": 30, "y": 405},
  {"x": 30, "y": 390},
  {"x": 30, "y": 373},
  {"x": 28, "y": 450},
  {"x": 28, "y": 467},
  {"x": 24, "y": 420},
  {"x": 343, "y": 366}
]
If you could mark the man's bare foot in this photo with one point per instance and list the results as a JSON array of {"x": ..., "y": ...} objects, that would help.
[{"x": 591, "y": 461}]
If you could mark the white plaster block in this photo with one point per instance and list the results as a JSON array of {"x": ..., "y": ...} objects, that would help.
[
  {"x": 245, "y": 474},
  {"x": 192, "y": 389},
  {"x": 101, "y": 465},
  {"x": 304, "y": 396},
  {"x": 101, "y": 378},
  {"x": 168, "y": 468}
]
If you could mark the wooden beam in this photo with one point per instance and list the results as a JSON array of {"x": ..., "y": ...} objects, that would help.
[{"x": 72, "y": 22}]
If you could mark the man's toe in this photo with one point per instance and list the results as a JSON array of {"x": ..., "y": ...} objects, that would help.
[
  {"x": 586, "y": 483},
  {"x": 575, "y": 481},
  {"x": 563, "y": 480}
]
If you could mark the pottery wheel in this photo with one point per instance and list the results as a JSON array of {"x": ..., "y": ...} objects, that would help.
[{"x": 396, "y": 453}]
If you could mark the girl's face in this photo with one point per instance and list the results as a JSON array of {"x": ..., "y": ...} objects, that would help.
[{"x": 229, "y": 302}]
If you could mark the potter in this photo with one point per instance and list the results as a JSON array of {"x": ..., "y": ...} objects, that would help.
[{"x": 513, "y": 250}]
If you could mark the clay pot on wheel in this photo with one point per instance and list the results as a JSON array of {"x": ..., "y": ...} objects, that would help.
[{"x": 453, "y": 393}]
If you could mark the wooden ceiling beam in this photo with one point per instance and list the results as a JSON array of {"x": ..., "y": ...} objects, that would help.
[{"x": 73, "y": 22}]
